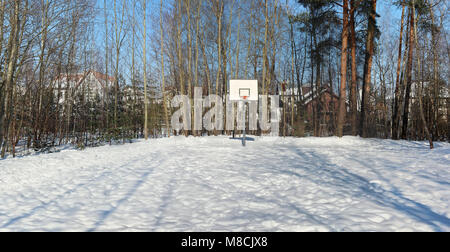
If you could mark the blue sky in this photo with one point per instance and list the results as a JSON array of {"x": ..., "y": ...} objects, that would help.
[{"x": 388, "y": 14}]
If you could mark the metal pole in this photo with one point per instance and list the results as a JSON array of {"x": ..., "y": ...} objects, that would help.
[{"x": 244, "y": 136}]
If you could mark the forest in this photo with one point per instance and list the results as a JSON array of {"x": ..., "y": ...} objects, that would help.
[{"x": 87, "y": 73}]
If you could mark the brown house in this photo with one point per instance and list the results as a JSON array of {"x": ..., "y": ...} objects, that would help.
[{"x": 327, "y": 100}]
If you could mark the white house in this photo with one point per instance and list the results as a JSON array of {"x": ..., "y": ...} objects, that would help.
[{"x": 90, "y": 84}]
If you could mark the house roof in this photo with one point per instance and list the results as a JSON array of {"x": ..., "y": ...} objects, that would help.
[
  {"x": 80, "y": 77},
  {"x": 311, "y": 96},
  {"x": 103, "y": 77},
  {"x": 309, "y": 93}
]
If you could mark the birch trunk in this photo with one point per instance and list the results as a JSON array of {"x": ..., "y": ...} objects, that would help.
[{"x": 166, "y": 117}]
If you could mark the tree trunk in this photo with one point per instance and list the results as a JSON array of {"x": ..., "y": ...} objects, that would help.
[
  {"x": 13, "y": 50},
  {"x": 397, "y": 99},
  {"x": 106, "y": 92},
  {"x": 250, "y": 37},
  {"x": 133, "y": 72},
  {"x": 236, "y": 74},
  {"x": 189, "y": 77},
  {"x": 354, "y": 84},
  {"x": 368, "y": 71},
  {"x": 205, "y": 62},
  {"x": 422, "y": 116},
  {"x": 318, "y": 102},
  {"x": 266, "y": 30},
  {"x": 436, "y": 86},
  {"x": 118, "y": 45},
  {"x": 293, "y": 67},
  {"x": 219, "y": 15},
  {"x": 116, "y": 70},
  {"x": 166, "y": 116},
  {"x": 145, "y": 72},
  {"x": 180, "y": 54},
  {"x": 197, "y": 32},
  {"x": 408, "y": 75},
  {"x": 274, "y": 20},
  {"x": 343, "y": 88}
]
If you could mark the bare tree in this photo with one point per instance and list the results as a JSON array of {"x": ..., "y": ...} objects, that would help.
[
  {"x": 266, "y": 31},
  {"x": 422, "y": 115},
  {"x": 409, "y": 68},
  {"x": 106, "y": 92},
  {"x": 145, "y": 71},
  {"x": 118, "y": 42},
  {"x": 163, "y": 83},
  {"x": 397, "y": 99},
  {"x": 12, "y": 55}
]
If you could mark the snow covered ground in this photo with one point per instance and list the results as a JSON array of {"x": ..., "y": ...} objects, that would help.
[{"x": 215, "y": 184}]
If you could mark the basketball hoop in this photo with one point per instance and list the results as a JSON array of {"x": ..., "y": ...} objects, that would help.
[{"x": 243, "y": 91}]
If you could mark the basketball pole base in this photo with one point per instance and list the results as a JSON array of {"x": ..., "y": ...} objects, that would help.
[{"x": 244, "y": 137}]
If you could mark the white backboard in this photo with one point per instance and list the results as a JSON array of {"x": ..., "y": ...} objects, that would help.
[{"x": 243, "y": 88}]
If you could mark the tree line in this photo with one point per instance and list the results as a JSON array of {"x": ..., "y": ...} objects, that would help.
[{"x": 389, "y": 73}]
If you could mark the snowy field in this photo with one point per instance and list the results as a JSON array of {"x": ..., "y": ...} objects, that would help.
[{"x": 214, "y": 184}]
